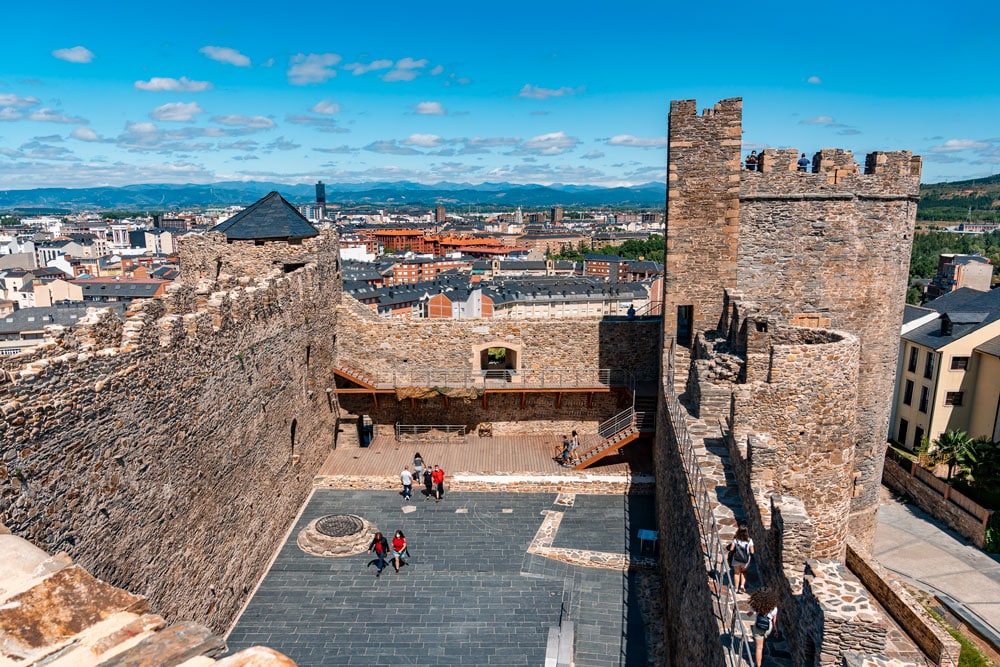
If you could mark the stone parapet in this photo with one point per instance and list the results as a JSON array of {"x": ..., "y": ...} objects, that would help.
[
  {"x": 836, "y": 616},
  {"x": 929, "y": 635},
  {"x": 593, "y": 484}
]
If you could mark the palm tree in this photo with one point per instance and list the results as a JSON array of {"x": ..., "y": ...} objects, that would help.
[
  {"x": 983, "y": 462},
  {"x": 952, "y": 448}
]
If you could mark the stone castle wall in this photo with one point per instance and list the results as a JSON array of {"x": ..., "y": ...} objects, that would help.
[
  {"x": 832, "y": 249},
  {"x": 381, "y": 346},
  {"x": 702, "y": 209},
  {"x": 169, "y": 455},
  {"x": 802, "y": 396}
]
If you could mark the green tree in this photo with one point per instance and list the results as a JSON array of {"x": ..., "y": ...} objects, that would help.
[
  {"x": 9, "y": 221},
  {"x": 952, "y": 448},
  {"x": 983, "y": 462}
]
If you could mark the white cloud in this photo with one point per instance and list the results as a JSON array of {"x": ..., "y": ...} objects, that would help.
[
  {"x": 47, "y": 115},
  {"x": 592, "y": 155},
  {"x": 166, "y": 84},
  {"x": 424, "y": 140},
  {"x": 238, "y": 120},
  {"x": 18, "y": 102},
  {"x": 85, "y": 134},
  {"x": 281, "y": 144},
  {"x": 312, "y": 68},
  {"x": 321, "y": 123},
  {"x": 815, "y": 80},
  {"x": 363, "y": 68},
  {"x": 406, "y": 69},
  {"x": 224, "y": 54},
  {"x": 637, "y": 142},
  {"x": 818, "y": 120},
  {"x": 553, "y": 143},
  {"x": 438, "y": 69},
  {"x": 538, "y": 93},
  {"x": 429, "y": 108},
  {"x": 390, "y": 147},
  {"x": 339, "y": 150},
  {"x": 954, "y": 145},
  {"x": 77, "y": 54},
  {"x": 325, "y": 107},
  {"x": 180, "y": 112}
]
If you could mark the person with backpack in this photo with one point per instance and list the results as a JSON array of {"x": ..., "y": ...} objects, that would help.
[
  {"x": 741, "y": 549},
  {"x": 380, "y": 546},
  {"x": 418, "y": 467},
  {"x": 763, "y": 603}
]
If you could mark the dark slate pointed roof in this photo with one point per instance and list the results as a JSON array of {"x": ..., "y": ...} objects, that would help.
[{"x": 268, "y": 218}]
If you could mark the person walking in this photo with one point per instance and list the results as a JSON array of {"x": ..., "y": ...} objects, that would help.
[
  {"x": 742, "y": 549},
  {"x": 437, "y": 477},
  {"x": 380, "y": 546},
  {"x": 399, "y": 550},
  {"x": 418, "y": 467},
  {"x": 763, "y": 603},
  {"x": 407, "y": 479},
  {"x": 428, "y": 483}
]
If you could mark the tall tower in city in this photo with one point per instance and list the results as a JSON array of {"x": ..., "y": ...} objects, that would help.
[
  {"x": 439, "y": 214},
  {"x": 321, "y": 199},
  {"x": 557, "y": 214}
]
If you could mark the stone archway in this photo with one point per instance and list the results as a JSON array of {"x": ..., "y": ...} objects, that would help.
[{"x": 496, "y": 355}]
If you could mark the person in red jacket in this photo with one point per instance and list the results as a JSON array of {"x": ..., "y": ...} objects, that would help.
[
  {"x": 437, "y": 477},
  {"x": 399, "y": 550}
]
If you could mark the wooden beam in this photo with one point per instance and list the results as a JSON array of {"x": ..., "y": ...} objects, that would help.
[
  {"x": 559, "y": 401},
  {"x": 375, "y": 398},
  {"x": 524, "y": 398},
  {"x": 590, "y": 399},
  {"x": 447, "y": 403},
  {"x": 486, "y": 403},
  {"x": 413, "y": 403}
]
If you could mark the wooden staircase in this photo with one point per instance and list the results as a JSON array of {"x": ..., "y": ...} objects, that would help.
[{"x": 611, "y": 436}]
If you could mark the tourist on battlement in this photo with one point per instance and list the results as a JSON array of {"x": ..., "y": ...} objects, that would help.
[
  {"x": 803, "y": 163},
  {"x": 763, "y": 603},
  {"x": 751, "y": 161},
  {"x": 418, "y": 467},
  {"x": 741, "y": 549}
]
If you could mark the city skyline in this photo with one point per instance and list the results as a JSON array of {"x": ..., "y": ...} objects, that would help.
[{"x": 538, "y": 93}]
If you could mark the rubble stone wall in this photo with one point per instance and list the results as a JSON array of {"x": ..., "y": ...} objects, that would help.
[
  {"x": 806, "y": 407},
  {"x": 381, "y": 346},
  {"x": 170, "y": 454}
]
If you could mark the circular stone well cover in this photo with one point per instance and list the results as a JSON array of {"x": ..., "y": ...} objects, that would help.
[{"x": 336, "y": 535}]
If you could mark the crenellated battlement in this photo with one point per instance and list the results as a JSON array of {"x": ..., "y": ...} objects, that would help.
[{"x": 833, "y": 173}]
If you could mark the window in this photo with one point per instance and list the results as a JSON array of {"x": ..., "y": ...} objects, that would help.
[
  {"x": 959, "y": 363},
  {"x": 918, "y": 436},
  {"x": 912, "y": 366},
  {"x": 901, "y": 433},
  {"x": 908, "y": 394},
  {"x": 923, "y": 399},
  {"x": 929, "y": 365},
  {"x": 953, "y": 398}
]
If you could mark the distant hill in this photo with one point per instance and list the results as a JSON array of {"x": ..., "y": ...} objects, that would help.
[
  {"x": 954, "y": 201},
  {"x": 166, "y": 197}
]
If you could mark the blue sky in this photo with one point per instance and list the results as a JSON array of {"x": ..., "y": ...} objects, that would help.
[{"x": 113, "y": 93}]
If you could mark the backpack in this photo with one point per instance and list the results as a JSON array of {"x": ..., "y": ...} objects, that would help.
[
  {"x": 763, "y": 623},
  {"x": 741, "y": 552}
]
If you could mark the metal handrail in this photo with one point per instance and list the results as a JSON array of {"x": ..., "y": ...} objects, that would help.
[
  {"x": 606, "y": 430},
  {"x": 739, "y": 651},
  {"x": 419, "y": 429}
]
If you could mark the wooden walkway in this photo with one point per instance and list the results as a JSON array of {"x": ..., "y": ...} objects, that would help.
[{"x": 520, "y": 454}]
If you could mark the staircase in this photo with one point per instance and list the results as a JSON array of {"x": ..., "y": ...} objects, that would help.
[{"x": 611, "y": 436}]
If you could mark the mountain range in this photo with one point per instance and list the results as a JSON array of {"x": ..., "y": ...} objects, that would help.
[{"x": 166, "y": 197}]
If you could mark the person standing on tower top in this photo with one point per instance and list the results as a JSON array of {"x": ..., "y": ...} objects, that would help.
[{"x": 803, "y": 163}]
